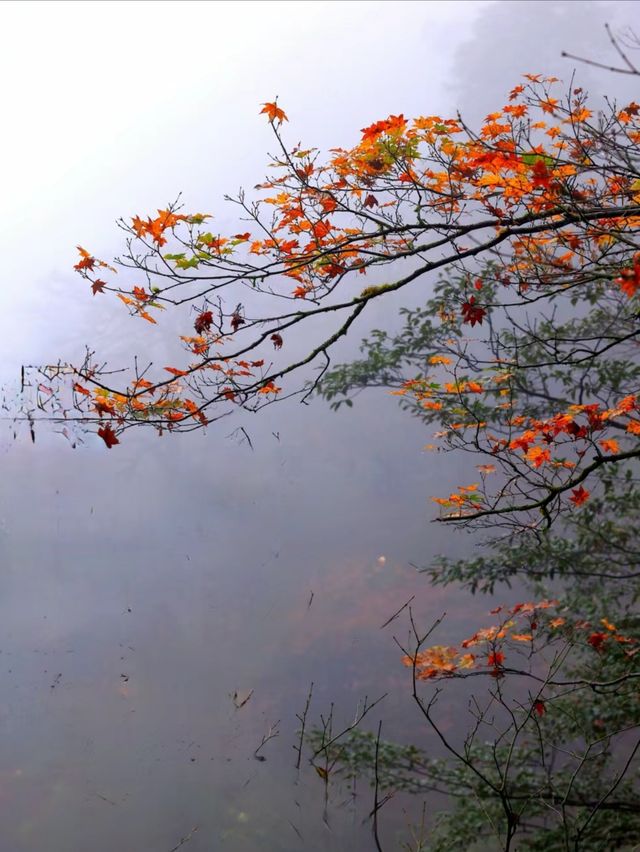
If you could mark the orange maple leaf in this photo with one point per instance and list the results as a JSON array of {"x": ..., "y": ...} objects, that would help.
[
  {"x": 274, "y": 112},
  {"x": 628, "y": 281},
  {"x": 486, "y": 468},
  {"x": 270, "y": 387},
  {"x": 103, "y": 407},
  {"x": 538, "y": 456},
  {"x": 610, "y": 445}
]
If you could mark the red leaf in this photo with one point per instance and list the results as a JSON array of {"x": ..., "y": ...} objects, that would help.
[
  {"x": 85, "y": 263},
  {"x": 237, "y": 320},
  {"x": 98, "y": 286},
  {"x": 596, "y": 640},
  {"x": 629, "y": 280},
  {"x": 580, "y": 496},
  {"x": 495, "y": 658},
  {"x": 203, "y": 322},
  {"x": 86, "y": 260},
  {"x": 321, "y": 229},
  {"x": 108, "y": 436},
  {"x": 471, "y": 314},
  {"x": 277, "y": 341},
  {"x": 539, "y": 707},
  {"x": 541, "y": 174},
  {"x": 287, "y": 246}
]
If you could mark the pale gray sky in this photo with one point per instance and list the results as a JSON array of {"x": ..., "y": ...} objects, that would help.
[{"x": 112, "y": 108}]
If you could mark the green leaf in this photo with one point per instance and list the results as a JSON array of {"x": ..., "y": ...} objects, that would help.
[
  {"x": 532, "y": 158},
  {"x": 191, "y": 263}
]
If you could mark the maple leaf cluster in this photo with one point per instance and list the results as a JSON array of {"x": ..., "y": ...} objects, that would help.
[
  {"x": 422, "y": 189},
  {"x": 155, "y": 228},
  {"x": 523, "y": 625}
]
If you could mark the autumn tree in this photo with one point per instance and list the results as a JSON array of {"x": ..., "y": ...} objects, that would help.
[
  {"x": 550, "y": 758},
  {"x": 529, "y": 218},
  {"x": 521, "y": 239}
]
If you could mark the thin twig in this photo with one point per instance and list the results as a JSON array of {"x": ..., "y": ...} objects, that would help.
[
  {"x": 271, "y": 733},
  {"x": 358, "y": 718},
  {"x": 376, "y": 804},
  {"x": 397, "y": 613},
  {"x": 303, "y": 721},
  {"x": 185, "y": 839}
]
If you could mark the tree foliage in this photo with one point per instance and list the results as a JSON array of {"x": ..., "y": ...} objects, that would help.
[
  {"x": 531, "y": 218},
  {"x": 550, "y": 758}
]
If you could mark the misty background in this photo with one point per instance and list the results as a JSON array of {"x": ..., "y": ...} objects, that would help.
[{"x": 141, "y": 587}]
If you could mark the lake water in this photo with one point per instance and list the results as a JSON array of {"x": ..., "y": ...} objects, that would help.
[{"x": 142, "y": 588}]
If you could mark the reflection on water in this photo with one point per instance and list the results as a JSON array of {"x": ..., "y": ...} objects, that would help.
[{"x": 141, "y": 591}]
